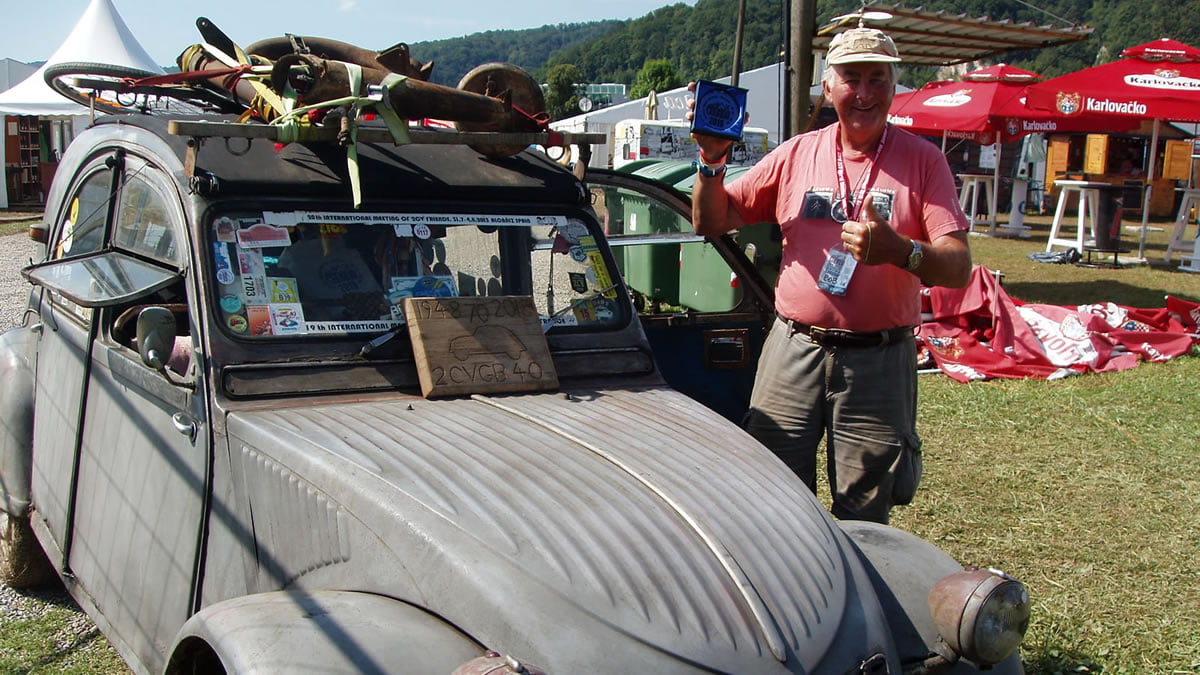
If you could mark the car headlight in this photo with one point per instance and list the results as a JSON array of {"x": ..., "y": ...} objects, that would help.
[{"x": 981, "y": 614}]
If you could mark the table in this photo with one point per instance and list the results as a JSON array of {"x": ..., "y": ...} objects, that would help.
[
  {"x": 974, "y": 186},
  {"x": 1191, "y": 199},
  {"x": 1089, "y": 206}
]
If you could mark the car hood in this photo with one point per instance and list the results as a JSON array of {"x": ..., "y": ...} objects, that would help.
[{"x": 638, "y": 513}]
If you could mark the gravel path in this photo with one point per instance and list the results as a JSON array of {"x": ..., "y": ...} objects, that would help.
[{"x": 16, "y": 251}]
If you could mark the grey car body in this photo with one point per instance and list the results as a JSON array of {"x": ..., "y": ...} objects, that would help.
[{"x": 280, "y": 499}]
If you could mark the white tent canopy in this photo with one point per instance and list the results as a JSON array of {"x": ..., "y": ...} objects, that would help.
[{"x": 100, "y": 36}]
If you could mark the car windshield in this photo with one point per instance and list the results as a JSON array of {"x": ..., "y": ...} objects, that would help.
[{"x": 287, "y": 274}]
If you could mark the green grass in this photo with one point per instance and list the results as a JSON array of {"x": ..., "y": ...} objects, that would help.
[
  {"x": 1087, "y": 489},
  {"x": 53, "y": 637}
]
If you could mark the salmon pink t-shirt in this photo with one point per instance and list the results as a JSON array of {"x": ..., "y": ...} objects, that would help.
[{"x": 796, "y": 185}]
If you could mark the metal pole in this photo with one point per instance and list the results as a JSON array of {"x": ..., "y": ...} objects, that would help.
[
  {"x": 802, "y": 27},
  {"x": 1149, "y": 190},
  {"x": 737, "y": 43}
]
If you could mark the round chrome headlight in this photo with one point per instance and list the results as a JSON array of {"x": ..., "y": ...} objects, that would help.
[{"x": 981, "y": 614}]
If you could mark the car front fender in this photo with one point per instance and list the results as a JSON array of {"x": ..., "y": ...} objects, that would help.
[
  {"x": 18, "y": 347},
  {"x": 903, "y": 569},
  {"x": 319, "y": 632}
]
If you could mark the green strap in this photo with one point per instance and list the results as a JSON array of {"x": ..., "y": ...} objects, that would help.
[{"x": 397, "y": 126}]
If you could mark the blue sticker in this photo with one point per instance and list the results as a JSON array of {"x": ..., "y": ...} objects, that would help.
[
  {"x": 230, "y": 303},
  {"x": 223, "y": 263}
]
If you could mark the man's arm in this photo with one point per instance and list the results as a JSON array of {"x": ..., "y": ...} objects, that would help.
[
  {"x": 712, "y": 213},
  {"x": 945, "y": 261}
]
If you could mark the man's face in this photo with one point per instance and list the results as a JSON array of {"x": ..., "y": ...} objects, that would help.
[{"x": 861, "y": 93}]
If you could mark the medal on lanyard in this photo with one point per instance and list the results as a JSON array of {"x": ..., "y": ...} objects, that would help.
[{"x": 839, "y": 267}]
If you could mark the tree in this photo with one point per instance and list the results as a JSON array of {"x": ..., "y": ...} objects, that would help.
[
  {"x": 656, "y": 74},
  {"x": 562, "y": 96}
]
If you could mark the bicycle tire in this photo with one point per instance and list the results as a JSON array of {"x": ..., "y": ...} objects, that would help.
[
  {"x": 54, "y": 78},
  {"x": 196, "y": 98}
]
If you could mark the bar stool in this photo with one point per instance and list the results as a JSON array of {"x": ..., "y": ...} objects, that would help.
[
  {"x": 1191, "y": 199},
  {"x": 1089, "y": 205},
  {"x": 973, "y": 187}
]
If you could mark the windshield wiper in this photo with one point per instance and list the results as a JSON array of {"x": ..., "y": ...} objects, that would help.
[{"x": 381, "y": 340}]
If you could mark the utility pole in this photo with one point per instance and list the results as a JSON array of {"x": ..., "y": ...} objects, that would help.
[
  {"x": 801, "y": 21},
  {"x": 737, "y": 43}
]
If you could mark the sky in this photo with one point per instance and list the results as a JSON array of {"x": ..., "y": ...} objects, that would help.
[{"x": 35, "y": 28}]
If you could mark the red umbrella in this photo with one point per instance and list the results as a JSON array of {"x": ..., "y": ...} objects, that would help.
[
  {"x": 1158, "y": 80},
  {"x": 986, "y": 104}
]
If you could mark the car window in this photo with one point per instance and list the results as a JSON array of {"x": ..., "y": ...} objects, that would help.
[
  {"x": 143, "y": 222},
  {"x": 82, "y": 228},
  {"x": 665, "y": 264},
  {"x": 305, "y": 273}
]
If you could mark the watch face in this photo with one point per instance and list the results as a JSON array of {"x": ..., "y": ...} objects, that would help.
[{"x": 914, "y": 258}]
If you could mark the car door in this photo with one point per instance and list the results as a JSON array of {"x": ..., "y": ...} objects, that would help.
[
  {"x": 705, "y": 305},
  {"x": 141, "y": 450}
]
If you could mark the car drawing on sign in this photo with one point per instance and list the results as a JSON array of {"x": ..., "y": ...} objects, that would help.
[
  {"x": 228, "y": 481},
  {"x": 487, "y": 340}
]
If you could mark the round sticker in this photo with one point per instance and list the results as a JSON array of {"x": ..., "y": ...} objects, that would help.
[
  {"x": 230, "y": 303},
  {"x": 225, "y": 276},
  {"x": 574, "y": 230},
  {"x": 237, "y": 323},
  {"x": 578, "y": 254},
  {"x": 421, "y": 231}
]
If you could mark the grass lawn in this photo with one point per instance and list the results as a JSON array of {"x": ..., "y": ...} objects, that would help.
[{"x": 1087, "y": 489}]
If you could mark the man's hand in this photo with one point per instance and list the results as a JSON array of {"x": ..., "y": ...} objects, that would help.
[{"x": 872, "y": 241}]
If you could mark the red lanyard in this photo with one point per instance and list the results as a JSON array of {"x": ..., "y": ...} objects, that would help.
[{"x": 864, "y": 182}]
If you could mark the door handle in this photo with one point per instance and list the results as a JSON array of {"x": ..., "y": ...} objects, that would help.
[{"x": 185, "y": 425}]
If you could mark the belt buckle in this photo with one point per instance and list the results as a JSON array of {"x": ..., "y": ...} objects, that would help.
[{"x": 818, "y": 334}]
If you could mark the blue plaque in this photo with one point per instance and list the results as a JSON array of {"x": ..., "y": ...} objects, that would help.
[{"x": 720, "y": 110}]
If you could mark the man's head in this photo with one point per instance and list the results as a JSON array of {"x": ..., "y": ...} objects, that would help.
[{"x": 860, "y": 78}]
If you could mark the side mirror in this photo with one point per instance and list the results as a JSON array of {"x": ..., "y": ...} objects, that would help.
[{"x": 156, "y": 339}]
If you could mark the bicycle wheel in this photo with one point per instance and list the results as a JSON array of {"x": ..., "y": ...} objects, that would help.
[
  {"x": 100, "y": 78},
  {"x": 108, "y": 88}
]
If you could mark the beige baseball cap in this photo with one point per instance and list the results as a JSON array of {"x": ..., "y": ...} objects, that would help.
[{"x": 859, "y": 45}]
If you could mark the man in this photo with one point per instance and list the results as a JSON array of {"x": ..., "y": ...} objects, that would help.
[{"x": 868, "y": 212}]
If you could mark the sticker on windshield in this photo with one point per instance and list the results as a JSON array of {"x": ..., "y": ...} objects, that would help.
[
  {"x": 263, "y": 236},
  {"x": 254, "y": 276},
  {"x": 223, "y": 263},
  {"x": 259, "y": 317},
  {"x": 283, "y": 289},
  {"x": 287, "y": 319},
  {"x": 226, "y": 229},
  {"x": 407, "y": 220},
  {"x": 603, "y": 279}
]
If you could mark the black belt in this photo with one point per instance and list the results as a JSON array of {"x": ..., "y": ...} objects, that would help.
[{"x": 837, "y": 337}]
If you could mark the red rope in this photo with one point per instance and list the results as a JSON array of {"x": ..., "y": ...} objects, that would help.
[
  {"x": 542, "y": 119},
  {"x": 188, "y": 76}
]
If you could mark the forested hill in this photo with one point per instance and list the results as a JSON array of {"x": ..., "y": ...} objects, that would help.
[{"x": 698, "y": 41}]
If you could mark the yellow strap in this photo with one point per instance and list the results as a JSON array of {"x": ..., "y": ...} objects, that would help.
[{"x": 354, "y": 71}]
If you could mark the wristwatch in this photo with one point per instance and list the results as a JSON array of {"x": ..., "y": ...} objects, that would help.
[
  {"x": 709, "y": 170},
  {"x": 914, "y": 258}
]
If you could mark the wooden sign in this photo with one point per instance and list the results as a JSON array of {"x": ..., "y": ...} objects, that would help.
[
  {"x": 1095, "y": 158},
  {"x": 479, "y": 345}
]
